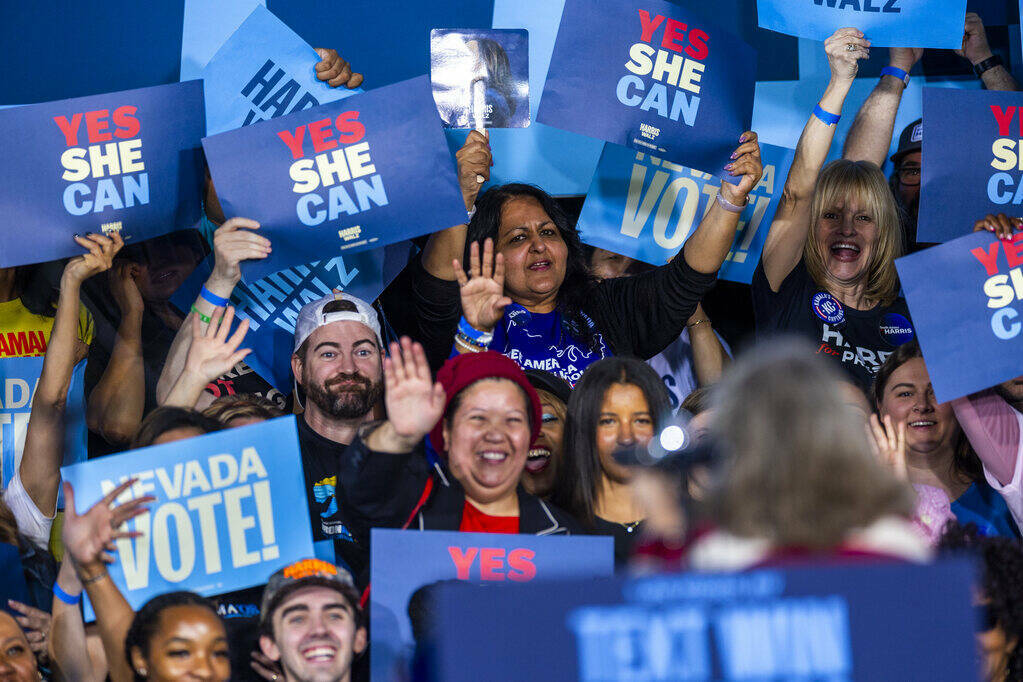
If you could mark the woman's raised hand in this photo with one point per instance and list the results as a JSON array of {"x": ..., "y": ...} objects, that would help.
[
  {"x": 415, "y": 403},
  {"x": 890, "y": 444},
  {"x": 482, "y": 290},
  {"x": 845, "y": 48},
  {"x": 89, "y": 538},
  {"x": 746, "y": 166}
]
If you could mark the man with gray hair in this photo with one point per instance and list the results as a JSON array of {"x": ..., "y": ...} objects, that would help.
[{"x": 337, "y": 363}]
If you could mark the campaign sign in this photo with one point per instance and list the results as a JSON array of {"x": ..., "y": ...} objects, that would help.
[
  {"x": 225, "y": 516},
  {"x": 969, "y": 320},
  {"x": 480, "y": 78},
  {"x": 271, "y": 304},
  {"x": 403, "y": 561},
  {"x": 652, "y": 76},
  {"x": 972, "y": 160},
  {"x": 883, "y": 621},
  {"x": 646, "y": 208},
  {"x": 263, "y": 71},
  {"x": 358, "y": 174},
  {"x": 885, "y": 23},
  {"x": 13, "y": 586},
  {"x": 19, "y": 378},
  {"x": 127, "y": 161}
]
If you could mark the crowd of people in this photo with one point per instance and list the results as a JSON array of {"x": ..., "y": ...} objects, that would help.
[{"x": 515, "y": 380}]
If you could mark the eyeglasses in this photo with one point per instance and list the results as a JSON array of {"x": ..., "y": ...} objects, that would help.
[{"x": 909, "y": 176}]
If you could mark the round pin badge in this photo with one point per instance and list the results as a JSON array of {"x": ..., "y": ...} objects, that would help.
[
  {"x": 895, "y": 329},
  {"x": 827, "y": 308}
]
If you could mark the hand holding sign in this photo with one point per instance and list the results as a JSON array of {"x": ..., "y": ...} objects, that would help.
[
  {"x": 845, "y": 48},
  {"x": 89, "y": 538},
  {"x": 99, "y": 258},
  {"x": 1001, "y": 224},
  {"x": 474, "y": 162},
  {"x": 975, "y": 46},
  {"x": 335, "y": 70},
  {"x": 904, "y": 58},
  {"x": 482, "y": 291},
  {"x": 233, "y": 243},
  {"x": 747, "y": 166}
]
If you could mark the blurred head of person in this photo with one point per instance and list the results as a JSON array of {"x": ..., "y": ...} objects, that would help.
[
  {"x": 606, "y": 264},
  {"x": 1012, "y": 392},
  {"x": 311, "y": 622},
  {"x": 17, "y": 662},
  {"x": 169, "y": 424},
  {"x": 905, "y": 180},
  {"x": 241, "y": 409},
  {"x": 546, "y": 453},
  {"x": 855, "y": 235},
  {"x": 178, "y": 636},
  {"x": 164, "y": 263},
  {"x": 1000, "y": 599},
  {"x": 492, "y": 415},
  {"x": 796, "y": 466},
  {"x": 618, "y": 404},
  {"x": 902, "y": 390},
  {"x": 338, "y": 357}
]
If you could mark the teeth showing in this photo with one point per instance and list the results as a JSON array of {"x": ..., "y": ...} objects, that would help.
[
  {"x": 319, "y": 653},
  {"x": 922, "y": 423},
  {"x": 845, "y": 245},
  {"x": 493, "y": 456},
  {"x": 539, "y": 452}
]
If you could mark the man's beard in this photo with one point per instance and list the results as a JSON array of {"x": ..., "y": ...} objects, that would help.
[{"x": 352, "y": 402}]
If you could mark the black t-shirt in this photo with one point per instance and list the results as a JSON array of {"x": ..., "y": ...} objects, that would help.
[
  {"x": 320, "y": 465},
  {"x": 859, "y": 340}
]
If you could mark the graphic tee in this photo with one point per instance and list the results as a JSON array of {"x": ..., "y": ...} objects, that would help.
[
  {"x": 25, "y": 334},
  {"x": 859, "y": 340}
]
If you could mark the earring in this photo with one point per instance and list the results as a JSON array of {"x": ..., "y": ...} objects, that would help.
[{"x": 143, "y": 672}]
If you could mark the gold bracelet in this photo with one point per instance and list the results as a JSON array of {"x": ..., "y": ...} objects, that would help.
[
  {"x": 690, "y": 325},
  {"x": 93, "y": 579}
]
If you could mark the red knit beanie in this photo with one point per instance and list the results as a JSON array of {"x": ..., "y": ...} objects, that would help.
[{"x": 466, "y": 369}]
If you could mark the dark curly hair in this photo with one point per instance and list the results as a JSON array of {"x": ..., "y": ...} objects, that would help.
[
  {"x": 578, "y": 284},
  {"x": 1002, "y": 581},
  {"x": 147, "y": 619}
]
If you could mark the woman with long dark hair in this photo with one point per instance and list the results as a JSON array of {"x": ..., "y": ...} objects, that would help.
[
  {"x": 618, "y": 405},
  {"x": 528, "y": 293},
  {"x": 938, "y": 453}
]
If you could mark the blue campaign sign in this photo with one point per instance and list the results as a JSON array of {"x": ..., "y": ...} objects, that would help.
[
  {"x": 371, "y": 170},
  {"x": 646, "y": 208},
  {"x": 263, "y": 71},
  {"x": 127, "y": 161},
  {"x": 652, "y": 76},
  {"x": 225, "y": 517},
  {"x": 884, "y": 621},
  {"x": 404, "y": 561},
  {"x": 271, "y": 305},
  {"x": 885, "y": 23},
  {"x": 972, "y": 160},
  {"x": 969, "y": 319},
  {"x": 18, "y": 380}
]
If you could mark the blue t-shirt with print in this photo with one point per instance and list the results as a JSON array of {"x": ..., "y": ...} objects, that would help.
[
  {"x": 540, "y": 341},
  {"x": 984, "y": 506}
]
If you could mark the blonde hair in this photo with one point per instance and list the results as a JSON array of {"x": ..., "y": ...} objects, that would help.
[
  {"x": 837, "y": 182},
  {"x": 797, "y": 466}
]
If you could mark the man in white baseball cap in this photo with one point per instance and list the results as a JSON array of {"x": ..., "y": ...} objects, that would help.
[{"x": 337, "y": 362}]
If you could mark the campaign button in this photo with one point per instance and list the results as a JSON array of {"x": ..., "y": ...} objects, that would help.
[
  {"x": 895, "y": 329},
  {"x": 827, "y": 308}
]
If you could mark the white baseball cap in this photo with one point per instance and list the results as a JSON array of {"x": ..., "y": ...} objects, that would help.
[{"x": 312, "y": 317}]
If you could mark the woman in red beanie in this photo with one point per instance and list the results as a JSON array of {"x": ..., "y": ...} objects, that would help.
[{"x": 482, "y": 415}]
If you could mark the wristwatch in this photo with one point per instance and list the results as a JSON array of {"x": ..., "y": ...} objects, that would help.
[
  {"x": 991, "y": 62},
  {"x": 897, "y": 73}
]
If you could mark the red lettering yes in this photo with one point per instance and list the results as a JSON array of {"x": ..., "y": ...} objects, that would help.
[
  {"x": 675, "y": 35},
  {"x": 97, "y": 125},
  {"x": 1004, "y": 118},
  {"x": 349, "y": 131},
  {"x": 492, "y": 563}
]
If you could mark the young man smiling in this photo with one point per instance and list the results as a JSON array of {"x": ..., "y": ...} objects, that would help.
[{"x": 311, "y": 623}]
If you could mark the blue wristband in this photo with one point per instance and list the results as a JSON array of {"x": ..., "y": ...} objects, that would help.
[
  {"x": 897, "y": 72},
  {"x": 60, "y": 594},
  {"x": 211, "y": 297},
  {"x": 825, "y": 117},
  {"x": 473, "y": 334}
]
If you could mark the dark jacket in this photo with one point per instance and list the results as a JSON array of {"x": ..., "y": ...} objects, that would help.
[
  {"x": 384, "y": 490},
  {"x": 640, "y": 315}
]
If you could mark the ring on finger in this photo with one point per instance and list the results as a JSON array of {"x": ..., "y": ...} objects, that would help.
[{"x": 850, "y": 47}]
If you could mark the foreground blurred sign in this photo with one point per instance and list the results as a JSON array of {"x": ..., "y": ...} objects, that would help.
[
  {"x": 362, "y": 173},
  {"x": 867, "y": 622},
  {"x": 263, "y": 71},
  {"x": 271, "y": 304},
  {"x": 225, "y": 516},
  {"x": 651, "y": 76},
  {"x": 885, "y": 23},
  {"x": 404, "y": 561},
  {"x": 970, "y": 317},
  {"x": 127, "y": 161},
  {"x": 972, "y": 160},
  {"x": 646, "y": 208}
]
